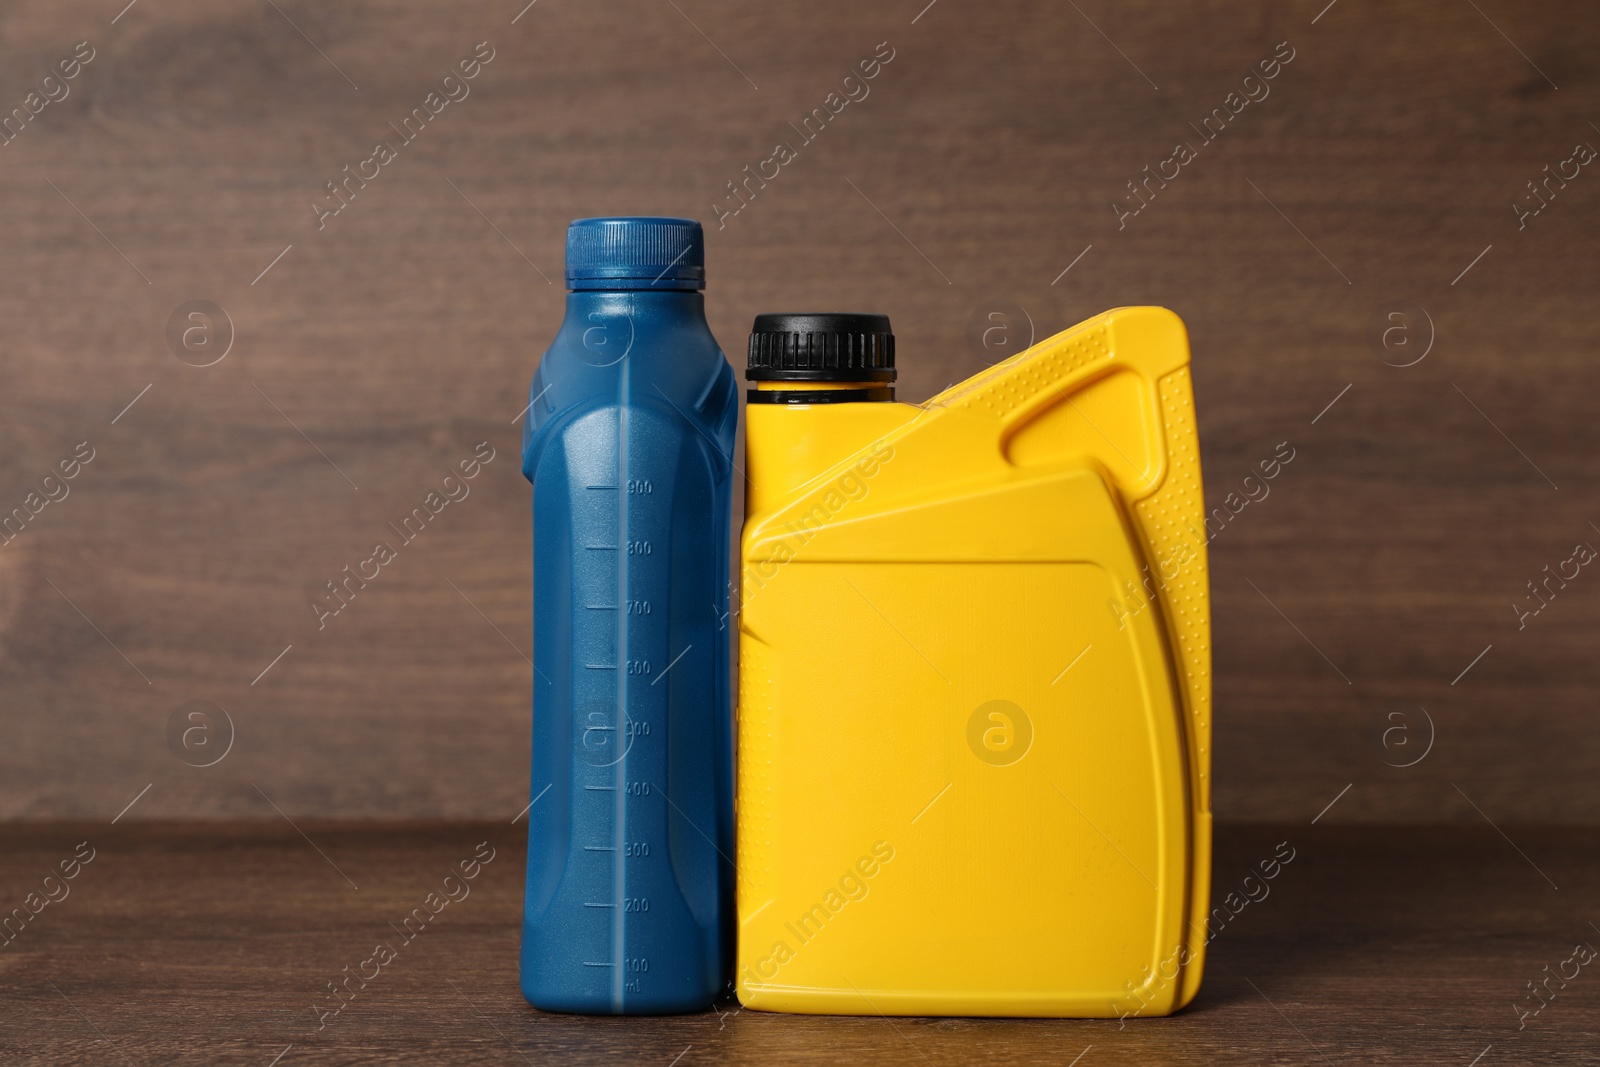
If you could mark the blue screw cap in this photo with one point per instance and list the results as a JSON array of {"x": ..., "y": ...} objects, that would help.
[{"x": 636, "y": 252}]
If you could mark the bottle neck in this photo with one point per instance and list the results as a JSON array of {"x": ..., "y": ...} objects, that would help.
[
  {"x": 815, "y": 392},
  {"x": 635, "y": 302}
]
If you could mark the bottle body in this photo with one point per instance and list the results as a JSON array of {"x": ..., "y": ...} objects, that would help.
[
  {"x": 629, "y": 445},
  {"x": 984, "y": 788}
]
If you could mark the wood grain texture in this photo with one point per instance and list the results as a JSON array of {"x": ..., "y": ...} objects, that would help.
[
  {"x": 212, "y": 943},
  {"x": 985, "y": 160}
]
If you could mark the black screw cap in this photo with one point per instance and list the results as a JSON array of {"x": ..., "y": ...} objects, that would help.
[{"x": 822, "y": 347}]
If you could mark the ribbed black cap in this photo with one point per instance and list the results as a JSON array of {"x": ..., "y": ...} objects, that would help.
[{"x": 826, "y": 347}]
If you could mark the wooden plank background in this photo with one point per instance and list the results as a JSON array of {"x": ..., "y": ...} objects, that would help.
[{"x": 378, "y": 351}]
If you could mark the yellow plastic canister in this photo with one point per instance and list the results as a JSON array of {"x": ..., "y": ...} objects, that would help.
[{"x": 974, "y": 699}]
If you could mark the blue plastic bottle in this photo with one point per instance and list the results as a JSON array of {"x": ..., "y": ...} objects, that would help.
[{"x": 629, "y": 445}]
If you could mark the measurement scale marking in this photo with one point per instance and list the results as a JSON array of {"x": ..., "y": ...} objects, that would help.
[{"x": 619, "y": 772}]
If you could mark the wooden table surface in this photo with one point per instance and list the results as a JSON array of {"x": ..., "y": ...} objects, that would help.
[{"x": 214, "y": 944}]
